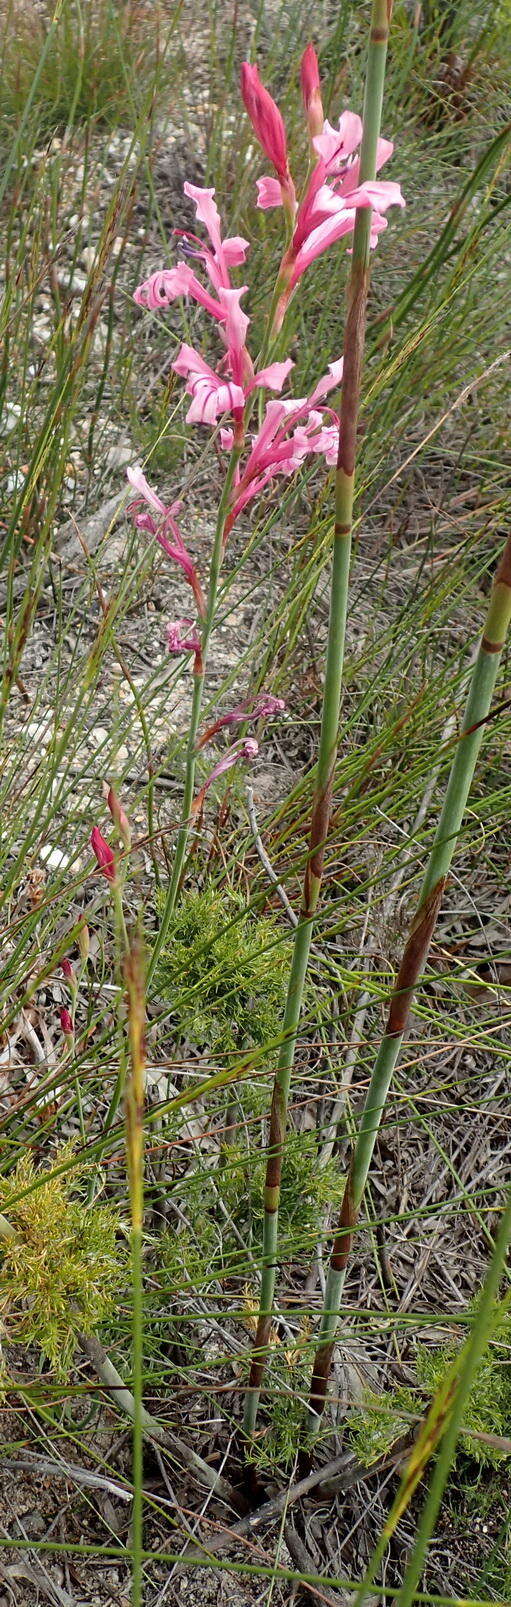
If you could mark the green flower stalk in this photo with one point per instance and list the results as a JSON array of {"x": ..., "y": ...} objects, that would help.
[
  {"x": 321, "y": 809},
  {"x": 413, "y": 962}
]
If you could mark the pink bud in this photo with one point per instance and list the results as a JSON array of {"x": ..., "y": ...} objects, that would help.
[
  {"x": 311, "y": 91},
  {"x": 119, "y": 817},
  {"x": 66, "y": 1024},
  {"x": 104, "y": 854},
  {"x": 67, "y": 970},
  {"x": 265, "y": 118}
]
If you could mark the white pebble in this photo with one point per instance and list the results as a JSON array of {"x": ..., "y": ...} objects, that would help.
[{"x": 54, "y": 858}]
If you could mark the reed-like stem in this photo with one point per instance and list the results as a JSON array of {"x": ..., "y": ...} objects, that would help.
[
  {"x": 413, "y": 961},
  {"x": 327, "y": 753}
]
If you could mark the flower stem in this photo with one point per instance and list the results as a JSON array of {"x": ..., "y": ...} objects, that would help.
[
  {"x": 413, "y": 961},
  {"x": 198, "y": 693},
  {"x": 134, "y": 1112},
  {"x": 327, "y": 754}
]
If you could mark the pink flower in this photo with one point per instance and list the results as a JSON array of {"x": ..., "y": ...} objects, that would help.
[
  {"x": 103, "y": 853},
  {"x": 66, "y": 1023},
  {"x": 158, "y": 527},
  {"x": 261, "y": 708},
  {"x": 289, "y": 433},
  {"x": 212, "y": 395},
  {"x": 165, "y": 286},
  {"x": 177, "y": 642},
  {"x": 311, "y": 90},
  {"x": 225, "y": 254},
  {"x": 246, "y": 748},
  {"x": 219, "y": 257}
]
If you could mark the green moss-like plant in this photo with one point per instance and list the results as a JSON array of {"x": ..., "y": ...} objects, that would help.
[
  {"x": 61, "y": 1271},
  {"x": 223, "y": 972}
]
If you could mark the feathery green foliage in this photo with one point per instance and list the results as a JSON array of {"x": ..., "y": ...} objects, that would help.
[
  {"x": 383, "y": 1418},
  {"x": 222, "y": 972},
  {"x": 62, "y": 1270}
]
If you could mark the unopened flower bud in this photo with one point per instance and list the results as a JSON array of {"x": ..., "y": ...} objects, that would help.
[
  {"x": 104, "y": 854},
  {"x": 66, "y": 1024},
  {"x": 119, "y": 818},
  {"x": 311, "y": 91}
]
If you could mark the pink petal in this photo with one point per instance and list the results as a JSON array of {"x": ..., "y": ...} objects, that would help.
[
  {"x": 235, "y": 250},
  {"x": 210, "y": 401},
  {"x": 320, "y": 239},
  {"x": 274, "y": 376},
  {"x": 379, "y": 194},
  {"x": 269, "y": 193},
  {"x": 206, "y": 211},
  {"x": 227, "y": 440},
  {"x": 335, "y": 145},
  {"x": 138, "y": 480},
  {"x": 236, "y": 321},
  {"x": 189, "y": 361},
  {"x": 328, "y": 382}
]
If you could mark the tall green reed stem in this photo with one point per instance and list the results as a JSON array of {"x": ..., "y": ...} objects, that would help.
[
  {"x": 412, "y": 964},
  {"x": 345, "y": 479}
]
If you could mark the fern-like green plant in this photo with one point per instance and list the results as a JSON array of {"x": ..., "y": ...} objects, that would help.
[
  {"x": 236, "y": 967},
  {"x": 61, "y": 1271}
]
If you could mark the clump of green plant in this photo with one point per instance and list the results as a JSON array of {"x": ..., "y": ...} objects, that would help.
[
  {"x": 384, "y": 1418},
  {"x": 91, "y": 61},
  {"x": 287, "y": 1387},
  {"x": 61, "y": 1270},
  {"x": 236, "y": 967}
]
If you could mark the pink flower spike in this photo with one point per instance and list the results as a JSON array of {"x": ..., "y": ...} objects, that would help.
[
  {"x": 265, "y": 118},
  {"x": 66, "y": 1023},
  {"x": 311, "y": 91},
  {"x": 103, "y": 853}
]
